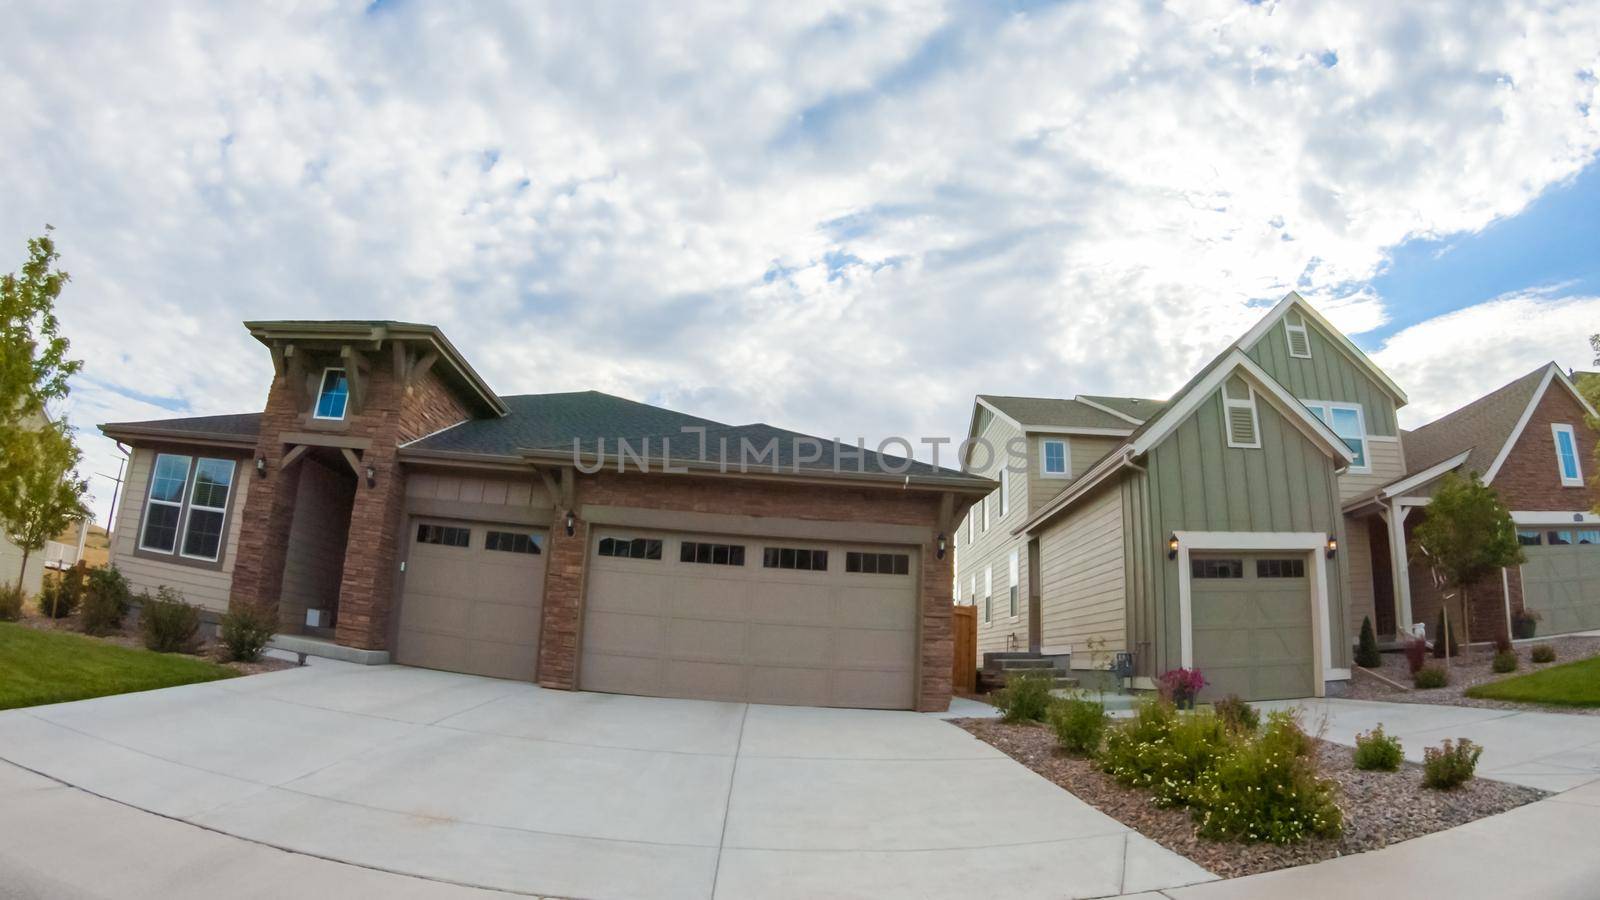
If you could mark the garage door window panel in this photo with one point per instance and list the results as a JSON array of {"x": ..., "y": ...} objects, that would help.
[
  {"x": 1281, "y": 568},
  {"x": 1528, "y": 538},
  {"x": 702, "y": 553},
  {"x": 1589, "y": 536},
  {"x": 798, "y": 558},
  {"x": 630, "y": 548},
  {"x": 444, "y": 535},
  {"x": 1558, "y": 538},
  {"x": 877, "y": 563},
  {"x": 513, "y": 542},
  {"x": 1216, "y": 568}
]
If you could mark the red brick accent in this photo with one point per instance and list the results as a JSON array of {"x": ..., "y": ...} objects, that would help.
[
  {"x": 563, "y": 599},
  {"x": 1529, "y": 478}
]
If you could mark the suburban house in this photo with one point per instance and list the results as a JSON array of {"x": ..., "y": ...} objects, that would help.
[
  {"x": 1530, "y": 441},
  {"x": 1207, "y": 530},
  {"x": 387, "y": 503}
]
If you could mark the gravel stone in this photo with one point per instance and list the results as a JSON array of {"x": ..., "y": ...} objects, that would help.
[{"x": 1472, "y": 668}]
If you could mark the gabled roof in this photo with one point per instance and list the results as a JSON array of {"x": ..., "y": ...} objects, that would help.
[
  {"x": 1136, "y": 409},
  {"x": 238, "y": 430},
  {"x": 1032, "y": 413},
  {"x": 1487, "y": 428},
  {"x": 1293, "y": 300}
]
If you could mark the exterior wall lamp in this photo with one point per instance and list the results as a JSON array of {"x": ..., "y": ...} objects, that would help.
[
  {"x": 1172, "y": 546},
  {"x": 261, "y": 467},
  {"x": 572, "y": 523},
  {"x": 1333, "y": 545},
  {"x": 372, "y": 477},
  {"x": 942, "y": 546}
]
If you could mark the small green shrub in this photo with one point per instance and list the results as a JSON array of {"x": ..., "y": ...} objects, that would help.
[
  {"x": 1026, "y": 696},
  {"x": 1080, "y": 725},
  {"x": 246, "y": 629},
  {"x": 1367, "y": 654},
  {"x": 1237, "y": 714},
  {"x": 1283, "y": 731},
  {"x": 1429, "y": 677},
  {"x": 167, "y": 623},
  {"x": 1504, "y": 661},
  {"x": 1542, "y": 653},
  {"x": 105, "y": 602},
  {"x": 10, "y": 602},
  {"x": 1262, "y": 791},
  {"x": 1502, "y": 642},
  {"x": 60, "y": 596},
  {"x": 1378, "y": 752},
  {"x": 1450, "y": 764},
  {"x": 1164, "y": 752}
]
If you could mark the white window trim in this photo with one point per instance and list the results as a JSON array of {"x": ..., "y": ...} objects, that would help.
[
  {"x": 970, "y": 516},
  {"x": 150, "y": 500},
  {"x": 1066, "y": 458},
  {"x": 191, "y": 506},
  {"x": 986, "y": 504},
  {"x": 1288, "y": 337},
  {"x": 1313, "y": 542},
  {"x": 1255, "y": 418},
  {"x": 1361, "y": 421},
  {"x": 322, "y": 382},
  {"x": 1005, "y": 491},
  {"x": 1556, "y": 430},
  {"x": 1013, "y": 597},
  {"x": 988, "y": 594}
]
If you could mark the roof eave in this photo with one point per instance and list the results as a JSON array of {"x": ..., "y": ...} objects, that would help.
[
  {"x": 133, "y": 434},
  {"x": 961, "y": 484}
]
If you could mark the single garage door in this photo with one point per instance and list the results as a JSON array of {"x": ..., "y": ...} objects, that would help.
[
  {"x": 1252, "y": 624},
  {"x": 1561, "y": 578},
  {"x": 762, "y": 621},
  {"x": 472, "y": 598}
]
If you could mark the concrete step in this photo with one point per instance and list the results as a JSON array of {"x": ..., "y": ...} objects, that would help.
[{"x": 1031, "y": 663}]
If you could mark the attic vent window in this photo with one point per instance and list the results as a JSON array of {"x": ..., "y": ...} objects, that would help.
[
  {"x": 1239, "y": 413},
  {"x": 1299, "y": 340}
]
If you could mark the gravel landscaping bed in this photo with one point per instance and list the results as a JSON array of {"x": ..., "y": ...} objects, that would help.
[
  {"x": 1380, "y": 808},
  {"x": 1472, "y": 668}
]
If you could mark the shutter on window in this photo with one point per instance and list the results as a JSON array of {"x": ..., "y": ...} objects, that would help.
[{"x": 1241, "y": 425}]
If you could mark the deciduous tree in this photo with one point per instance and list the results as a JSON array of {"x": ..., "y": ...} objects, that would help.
[{"x": 1466, "y": 535}]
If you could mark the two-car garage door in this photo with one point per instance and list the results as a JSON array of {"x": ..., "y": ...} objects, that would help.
[{"x": 746, "y": 619}]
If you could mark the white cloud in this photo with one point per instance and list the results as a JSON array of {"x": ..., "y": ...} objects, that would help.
[
  {"x": 1449, "y": 361},
  {"x": 841, "y": 218}
]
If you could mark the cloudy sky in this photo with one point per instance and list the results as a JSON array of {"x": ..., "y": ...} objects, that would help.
[{"x": 842, "y": 218}]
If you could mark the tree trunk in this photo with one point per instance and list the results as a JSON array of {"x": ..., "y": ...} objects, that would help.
[
  {"x": 22, "y": 573},
  {"x": 1466, "y": 618}
]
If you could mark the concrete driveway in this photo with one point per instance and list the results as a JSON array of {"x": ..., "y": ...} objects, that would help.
[
  {"x": 503, "y": 785},
  {"x": 1550, "y": 751}
]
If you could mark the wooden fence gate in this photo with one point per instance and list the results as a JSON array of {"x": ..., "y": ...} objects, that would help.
[{"x": 964, "y": 628}]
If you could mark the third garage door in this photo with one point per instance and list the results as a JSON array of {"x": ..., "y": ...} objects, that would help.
[
  {"x": 742, "y": 619},
  {"x": 1561, "y": 577},
  {"x": 1252, "y": 624}
]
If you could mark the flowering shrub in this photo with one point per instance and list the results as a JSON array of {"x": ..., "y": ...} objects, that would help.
[
  {"x": 1450, "y": 764},
  {"x": 1164, "y": 752},
  {"x": 1377, "y": 752},
  {"x": 1181, "y": 686}
]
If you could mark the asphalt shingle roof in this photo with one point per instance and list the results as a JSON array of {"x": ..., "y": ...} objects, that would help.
[
  {"x": 1482, "y": 426},
  {"x": 240, "y": 425},
  {"x": 551, "y": 421},
  {"x": 1054, "y": 413},
  {"x": 1138, "y": 407}
]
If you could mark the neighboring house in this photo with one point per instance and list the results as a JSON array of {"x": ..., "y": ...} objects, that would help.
[
  {"x": 1531, "y": 440},
  {"x": 388, "y": 502},
  {"x": 11, "y": 555},
  {"x": 1205, "y": 530}
]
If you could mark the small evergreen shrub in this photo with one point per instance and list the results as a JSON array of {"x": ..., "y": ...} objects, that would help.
[
  {"x": 1367, "y": 653},
  {"x": 1237, "y": 714},
  {"x": 1026, "y": 696},
  {"x": 168, "y": 623},
  {"x": 1429, "y": 677},
  {"x": 1080, "y": 725},
  {"x": 1439, "y": 642},
  {"x": 1378, "y": 752},
  {"x": 105, "y": 602},
  {"x": 1262, "y": 791},
  {"x": 1504, "y": 662},
  {"x": 1416, "y": 654},
  {"x": 246, "y": 629},
  {"x": 1450, "y": 764},
  {"x": 1542, "y": 653},
  {"x": 10, "y": 602}
]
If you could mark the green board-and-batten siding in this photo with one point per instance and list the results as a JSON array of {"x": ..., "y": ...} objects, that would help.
[
  {"x": 1328, "y": 375},
  {"x": 1193, "y": 481}
]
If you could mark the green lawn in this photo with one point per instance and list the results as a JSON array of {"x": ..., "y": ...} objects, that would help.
[
  {"x": 39, "y": 667},
  {"x": 1573, "y": 684}
]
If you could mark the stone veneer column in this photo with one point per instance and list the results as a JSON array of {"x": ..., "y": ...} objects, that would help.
[
  {"x": 366, "y": 590},
  {"x": 268, "y": 510},
  {"x": 938, "y": 643},
  {"x": 563, "y": 603}
]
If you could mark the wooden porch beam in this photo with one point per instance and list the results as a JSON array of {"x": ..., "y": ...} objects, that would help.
[
  {"x": 355, "y": 362},
  {"x": 295, "y": 454},
  {"x": 354, "y": 461},
  {"x": 551, "y": 485}
]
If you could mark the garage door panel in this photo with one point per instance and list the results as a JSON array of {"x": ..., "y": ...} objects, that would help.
[
  {"x": 441, "y": 650},
  {"x": 752, "y": 632},
  {"x": 1562, "y": 584},
  {"x": 1252, "y": 634},
  {"x": 494, "y": 621},
  {"x": 499, "y": 660},
  {"x": 437, "y": 613}
]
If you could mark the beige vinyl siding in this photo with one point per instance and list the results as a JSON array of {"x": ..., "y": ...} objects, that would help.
[
  {"x": 1388, "y": 464},
  {"x": 1082, "y": 452},
  {"x": 1328, "y": 375},
  {"x": 1195, "y": 482},
  {"x": 1357, "y": 551},
  {"x": 489, "y": 490},
  {"x": 314, "y": 564},
  {"x": 207, "y": 587},
  {"x": 1083, "y": 582},
  {"x": 993, "y": 548}
]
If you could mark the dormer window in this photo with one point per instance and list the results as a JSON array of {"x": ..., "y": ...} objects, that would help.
[
  {"x": 1299, "y": 339},
  {"x": 1239, "y": 413},
  {"x": 334, "y": 396}
]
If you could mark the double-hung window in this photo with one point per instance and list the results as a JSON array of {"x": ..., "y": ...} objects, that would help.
[
  {"x": 1054, "y": 458},
  {"x": 1015, "y": 588},
  {"x": 1567, "y": 456},
  {"x": 988, "y": 501},
  {"x": 186, "y": 510},
  {"x": 1005, "y": 492},
  {"x": 334, "y": 395},
  {"x": 1349, "y": 423}
]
